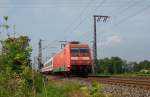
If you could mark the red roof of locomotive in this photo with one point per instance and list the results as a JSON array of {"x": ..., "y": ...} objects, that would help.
[{"x": 78, "y": 45}]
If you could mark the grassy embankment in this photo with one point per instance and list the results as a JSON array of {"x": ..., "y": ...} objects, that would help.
[{"x": 68, "y": 88}]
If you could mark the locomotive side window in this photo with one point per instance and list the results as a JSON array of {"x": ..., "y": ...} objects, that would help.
[{"x": 84, "y": 50}]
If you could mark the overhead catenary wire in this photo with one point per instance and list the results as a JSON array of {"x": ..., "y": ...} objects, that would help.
[
  {"x": 134, "y": 4},
  {"x": 49, "y": 4},
  {"x": 132, "y": 15},
  {"x": 80, "y": 15},
  {"x": 87, "y": 16},
  {"x": 127, "y": 8}
]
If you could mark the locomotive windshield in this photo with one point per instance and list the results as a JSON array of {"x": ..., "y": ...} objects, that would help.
[
  {"x": 84, "y": 50},
  {"x": 74, "y": 50},
  {"x": 79, "y": 50}
]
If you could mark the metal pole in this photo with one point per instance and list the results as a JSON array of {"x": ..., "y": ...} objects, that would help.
[
  {"x": 95, "y": 40},
  {"x": 94, "y": 47},
  {"x": 40, "y": 65}
]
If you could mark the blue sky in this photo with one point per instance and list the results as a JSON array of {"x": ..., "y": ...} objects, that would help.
[{"x": 126, "y": 33}]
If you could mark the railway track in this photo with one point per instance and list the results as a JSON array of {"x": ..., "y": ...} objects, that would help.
[{"x": 129, "y": 82}]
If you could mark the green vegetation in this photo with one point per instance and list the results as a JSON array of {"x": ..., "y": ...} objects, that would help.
[
  {"x": 96, "y": 90},
  {"x": 59, "y": 88},
  {"x": 15, "y": 67},
  {"x": 68, "y": 88},
  {"x": 118, "y": 66},
  {"x": 16, "y": 79}
]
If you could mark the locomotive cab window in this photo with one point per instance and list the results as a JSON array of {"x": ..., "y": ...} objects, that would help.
[
  {"x": 74, "y": 50},
  {"x": 84, "y": 50}
]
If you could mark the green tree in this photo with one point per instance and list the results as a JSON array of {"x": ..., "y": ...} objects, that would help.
[
  {"x": 18, "y": 52},
  {"x": 103, "y": 66},
  {"x": 113, "y": 65},
  {"x": 15, "y": 66},
  {"x": 116, "y": 65},
  {"x": 142, "y": 65}
]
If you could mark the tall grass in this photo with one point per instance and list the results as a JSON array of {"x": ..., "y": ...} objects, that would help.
[
  {"x": 63, "y": 88},
  {"x": 68, "y": 88}
]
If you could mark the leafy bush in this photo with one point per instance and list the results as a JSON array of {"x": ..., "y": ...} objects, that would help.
[{"x": 96, "y": 90}]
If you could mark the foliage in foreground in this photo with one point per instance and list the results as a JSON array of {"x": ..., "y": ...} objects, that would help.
[
  {"x": 15, "y": 68},
  {"x": 67, "y": 88},
  {"x": 16, "y": 78}
]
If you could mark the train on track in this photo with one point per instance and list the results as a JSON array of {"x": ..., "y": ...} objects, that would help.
[{"x": 73, "y": 59}]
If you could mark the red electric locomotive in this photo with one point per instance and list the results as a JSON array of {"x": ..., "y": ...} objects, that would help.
[{"x": 74, "y": 58}]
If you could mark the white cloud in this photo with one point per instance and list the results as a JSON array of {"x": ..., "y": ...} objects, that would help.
[{"x": 111, "y": 41}]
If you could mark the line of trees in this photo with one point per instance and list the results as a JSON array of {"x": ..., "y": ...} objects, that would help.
[{"x": 116, "y": 65}]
